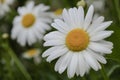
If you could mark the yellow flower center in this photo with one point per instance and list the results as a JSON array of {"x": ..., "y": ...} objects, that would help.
[
  {"x": 58, "y": 12},
  {"x": 28, "y": 20},
  {"x": 32, "y": 52},
  {"x": 2, "y": 1},
  {"x": 77, "y": 40}
]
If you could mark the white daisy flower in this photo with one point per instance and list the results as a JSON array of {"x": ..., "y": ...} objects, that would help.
[
  {"x": 32, "y": 53},
  {"x": 4, "y": 6},
  {"x": 31, "y": 24},
  {"x": 78, "y": 42}
]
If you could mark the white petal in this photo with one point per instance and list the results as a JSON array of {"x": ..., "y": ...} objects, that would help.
[
  {"x": 77, "y": 68},
  {"x": 39, "y": 27},
  {"x": 54, "y": 35},
  {"x": 73, "y": 65},
  {"x": 37, "y": 34},
  {"x": 101, "y": 27},
  {"x": 15, "y": 31},
  {"x": 91, "y": 61},
  {"x": 57, "y": 53},
  {"x": 42, "y": 7},
  {"x": 22, "y": 10},
  {"x": 65, "y": 62},
  {"x": 82, "y": 64},
  {"x": 43, "y": 25},
  {"x": 81, "y": 15},
  {"x": 62, "y": 25},
  {"x": 31, "y": 37},
  {"x": 95, "y": 24},
  {"x": 88, "y": 17},
  {"x": 50, "y": 50},
  {"x": 59, "y": 28},
  {"x": 22, "y": 38},
  {"x": 98, "y": 57},
  {"x": 73, "y": 17},
  {"x": 30, "y": 5},
  {"x": 99, "y": 47},
  {"x": 54, "y": 42},
  {"x": 66, "y": 18},
  {"x": 58, "y": 63},
  {"x": 100, "y": 35},
  {"x": 17, "y": 20},
  {"x": 107, "y": 44}
]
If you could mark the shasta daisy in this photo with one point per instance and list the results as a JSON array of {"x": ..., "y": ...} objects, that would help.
[
  {"x": 78, "y": 42},
  {"x": 31, "y": 24}
]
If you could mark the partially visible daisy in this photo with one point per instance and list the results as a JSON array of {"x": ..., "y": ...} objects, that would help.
[
  {"x": 32, "y": 53},
  {"x": 5, "y": 6},
  {"x": 78, "y": 42},
  {"x": 57, "y": 13},
  {"x": 31, "y": 24}
]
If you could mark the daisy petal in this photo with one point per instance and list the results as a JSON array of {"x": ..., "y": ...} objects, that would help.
[
  {"x": 15, "y": 32},
  {"x": 95, "y": 24},
  {"x": 81, "y": 15},
  {"x": 31, "y": 37},
  {"x": 50, "y": 50},
  {"x": 107, "y": 44},
  {"x": 54, "y": 42},
  {"x": 100, "y": 35},
  {"x": 73, "y": 17},
  {"x": 57, "y": 53},
  {"x": 66, "y": 17},
  {"x": 30, "y": 5},
  {"x": 101, "y": 27},
  {"x": 88, "y": 17},
  {"x": 99, "y": 47},
  {"x": 22, "y": 38},
  {"x": 60, "y": 25},
  {"x": 82, "y": 64},
  {"x": 65, "y": 62},
  {"x": 21, "y": 10},
  {"x": 72, "y": 66},
  {"x": 54, "y": 35},
  {"x": 98, "y": 57},
  {"x": 58, "y": 63},
  {"x": 91, "y": 61}
]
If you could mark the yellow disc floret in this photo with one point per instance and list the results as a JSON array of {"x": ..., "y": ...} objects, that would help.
[
  {"x": 28, "y": 20},
  {"x": 32, "y": 52},
  {"x": 77, "y": 40},
  {"x": 58, "y": 12}
]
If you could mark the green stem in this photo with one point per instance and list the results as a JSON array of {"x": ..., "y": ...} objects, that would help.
[
  {"x": 17, "y": 62},
  {"x": 116, "y": 2},
  {"x": 104, "y": 73}
]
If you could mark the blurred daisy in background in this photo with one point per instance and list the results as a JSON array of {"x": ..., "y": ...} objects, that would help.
[
  {"x": 33, "y": 54},
  {"x": 78, "y": 42},
  {"x": 31, "y": 24},
  {"x": 5, "y": 6},
  {"x": 5, "y": 35},
  {"x": 98, "y": 4},
  {"x": 56, "y": 14}
]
